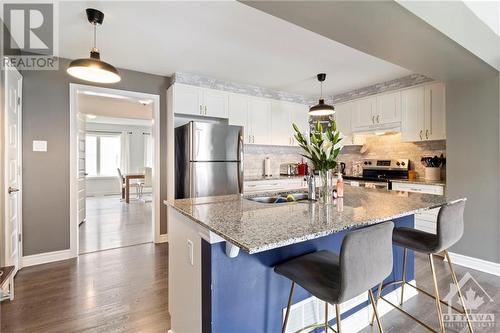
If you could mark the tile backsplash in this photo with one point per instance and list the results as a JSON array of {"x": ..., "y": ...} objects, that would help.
[
  {"x": 255, "y": 155},
  {"x": 385, "y": 146},
  {"x": 390, "y": 146}
]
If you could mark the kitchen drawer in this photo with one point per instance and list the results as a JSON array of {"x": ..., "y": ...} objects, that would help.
[
  {"x": 425, "y": 225},
  {"x": 418, "y": 188},
  {"x": 273, "y": 185}
]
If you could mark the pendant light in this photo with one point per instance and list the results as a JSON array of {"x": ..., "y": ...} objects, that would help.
[
  {"x": 321, "y": 109},
  {"x": 93, "y": 69}
]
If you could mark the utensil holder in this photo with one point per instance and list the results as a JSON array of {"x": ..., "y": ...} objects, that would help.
[{"x": 432, "y": 174}]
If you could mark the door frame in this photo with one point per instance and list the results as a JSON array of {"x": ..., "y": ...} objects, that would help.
[
  {"x": 5, "y": 170},
  {"x": 74, "y": 89}
]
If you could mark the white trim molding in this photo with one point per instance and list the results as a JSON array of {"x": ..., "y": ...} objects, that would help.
[
  {"x": 73, "y": 108},
  {"x": 163, "y": 238},
  {"x": 44, "y": 258},
  {"x": 475, "y": 263}
]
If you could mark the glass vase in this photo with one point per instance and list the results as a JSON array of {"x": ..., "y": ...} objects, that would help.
[{"x": 325, "y": 192}]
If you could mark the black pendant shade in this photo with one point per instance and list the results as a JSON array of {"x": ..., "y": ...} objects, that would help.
[
  {"x": 93, "y": 69},
  {"x": 321, "y": 109}
]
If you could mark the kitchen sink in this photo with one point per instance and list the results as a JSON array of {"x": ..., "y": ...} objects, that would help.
[{"x": 281, "y": 198}]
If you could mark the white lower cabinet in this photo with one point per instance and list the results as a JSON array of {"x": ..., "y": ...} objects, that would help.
[
  {"x": 425, "y": 221},
  {"x": 272, "y": 185}
]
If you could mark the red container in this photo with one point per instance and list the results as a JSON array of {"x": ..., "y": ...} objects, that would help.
[{"x": 302, "y": 169}]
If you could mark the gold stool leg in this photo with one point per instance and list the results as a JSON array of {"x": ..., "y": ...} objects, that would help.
[
  {"x": 454, "y": 277},
  {"x": 326, "y": 317},
  {"x": 337, "y": 313},
  {"x": 436, "y": 290},
  {"x": 404, "y": 276},
  {"x": 379, "y": 294},
  {"x": 283, "y": 329},
  {"x": 375, "y": 312}
]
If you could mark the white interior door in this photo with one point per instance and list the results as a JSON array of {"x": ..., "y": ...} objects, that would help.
[
  {"x": 81, "y": 168},
  {"x": 13, "y": 177}
]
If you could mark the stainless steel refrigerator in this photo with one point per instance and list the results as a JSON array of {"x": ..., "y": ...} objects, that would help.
[{"x": 208, "y": 160}]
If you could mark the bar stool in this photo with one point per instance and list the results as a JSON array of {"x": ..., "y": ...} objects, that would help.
[
  {"x": 365, "y": 259},
  {"x": 450, "y": 228}
]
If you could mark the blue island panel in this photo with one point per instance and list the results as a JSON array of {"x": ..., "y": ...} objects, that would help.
[{"x": 244, "y": 294}]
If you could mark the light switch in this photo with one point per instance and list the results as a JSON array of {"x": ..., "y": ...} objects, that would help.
[{"x": 39, "y": 145}]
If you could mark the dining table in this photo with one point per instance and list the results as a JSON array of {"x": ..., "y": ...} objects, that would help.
[{"x": 128, "y": 177}]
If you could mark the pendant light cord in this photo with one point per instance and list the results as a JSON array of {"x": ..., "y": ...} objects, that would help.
[{"x": 95, "y": 35}]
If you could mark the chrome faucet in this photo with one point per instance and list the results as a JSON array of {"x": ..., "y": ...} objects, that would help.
[{"x": 311, "y": 186}]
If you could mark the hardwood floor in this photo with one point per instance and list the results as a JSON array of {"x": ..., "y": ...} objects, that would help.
[
  {"x": 112, "y": 223},
  {"x": 125, "y": 290},
  {"x": 424, "y": 307},
  {"x": 120, "y": 290}
]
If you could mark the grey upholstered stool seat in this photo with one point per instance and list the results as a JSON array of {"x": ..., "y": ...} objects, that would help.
[
  {"x": 449, "y": 230},
  {"x": 364, "y": 261},
  {"x": 317, "y": 272}
]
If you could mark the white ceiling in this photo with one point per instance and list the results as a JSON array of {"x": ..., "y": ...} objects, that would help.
[
  {"x": 226, "y": 40},
  {"x": 117, "y": 107}
]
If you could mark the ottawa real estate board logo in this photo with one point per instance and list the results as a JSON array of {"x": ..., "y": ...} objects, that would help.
[{"x": 29, "y": 39}]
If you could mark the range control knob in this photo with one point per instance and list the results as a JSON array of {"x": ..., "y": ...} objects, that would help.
[
  {"x": 403, "y": 163},
  {"x": 366, "y": 163},
  {"x": 398, "y": 164}
]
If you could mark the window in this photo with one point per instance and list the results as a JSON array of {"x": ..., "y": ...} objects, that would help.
[
  {"x": 102, "y": 154},
  {"x": 148, "y": 150}
]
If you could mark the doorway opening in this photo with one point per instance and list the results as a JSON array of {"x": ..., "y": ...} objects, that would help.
[{"x": 114, "y": 168}]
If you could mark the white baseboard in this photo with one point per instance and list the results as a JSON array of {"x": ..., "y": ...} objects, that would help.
[
  {"x": 163, "y": 238},
  {"x": 43, "y": 258},
  {"x": 475, "y": 263}
]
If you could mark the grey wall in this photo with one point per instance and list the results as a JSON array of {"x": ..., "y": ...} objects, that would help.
[
  {"x": 388, "y": 31},
  {"x": 46, "y": 216},
  {"x": 473, "y": 161}
]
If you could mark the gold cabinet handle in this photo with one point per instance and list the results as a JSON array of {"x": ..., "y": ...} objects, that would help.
[
  {"x": 205, "y": 110},
  {"x": 201, "y": 109},
  {"x": 421, "y": 134},
  {"x": 427, "y": 134},
  {"x": 378, "y": 117},
  {"x": 373, "y": 119}
]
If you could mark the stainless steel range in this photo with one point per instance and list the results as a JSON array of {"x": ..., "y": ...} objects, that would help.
[{"x": 378, "y": 173}]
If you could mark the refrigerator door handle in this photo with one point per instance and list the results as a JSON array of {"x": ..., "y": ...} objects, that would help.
[{"x": 240, "y": 164}]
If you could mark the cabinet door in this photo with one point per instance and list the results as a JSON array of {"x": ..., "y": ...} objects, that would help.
[
  {"x": 435, "y": 112},
  {"x": 343, "y": 115},
  {"x": 300, "y": 117},
  {"x": 215, "y": 103},
  {"x": 187, "y": 100},
  {"x": 364, "y": 113},
  {"x": 412, "y": 113},
  {"x": 259, "y": 119},
  {"x": 388, "y": 108},
  {"x": 281, "y": 123},
  {"x": 238, "y": 113}
]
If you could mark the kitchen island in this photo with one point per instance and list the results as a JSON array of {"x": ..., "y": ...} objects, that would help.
[{"x": 222, "y": 251}]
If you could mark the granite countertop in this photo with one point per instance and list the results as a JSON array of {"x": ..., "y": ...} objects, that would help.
[{"x": 257, "y": 227}]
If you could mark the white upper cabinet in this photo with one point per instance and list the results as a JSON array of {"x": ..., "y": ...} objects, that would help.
[
  {"x": 343, "y": 116},
  {"x": 259, "y": 121},
  {"x": 238, "y": 113},
  {"x": 412, "y": 122},
  {"x": 388, "y": 108},
  {"x": 281, "y": 123},
  {"x": 187, "y": 99},
  {"x": 424, "y": 113},
  {"x": 435, "y": 111},
  {"x": 299, "y": 114},
  {"x": 215, "y": 103},
  {"x": 364, "y": 113},
  {"x": 192, "y": 100}
]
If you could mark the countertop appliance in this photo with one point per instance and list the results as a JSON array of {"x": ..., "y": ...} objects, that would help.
[
  {"x": 208, "y": 160},
  {"x": 379, "y": 173},
  {"x": 288, "y": 169}
]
